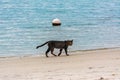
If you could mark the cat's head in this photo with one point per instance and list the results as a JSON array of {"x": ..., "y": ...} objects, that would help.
[{"x": 69, "y": 42}]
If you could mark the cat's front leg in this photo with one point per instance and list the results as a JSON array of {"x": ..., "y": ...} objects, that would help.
[
  {"x": 66, "y": 52},
  {"x": 60, "y": 52}
]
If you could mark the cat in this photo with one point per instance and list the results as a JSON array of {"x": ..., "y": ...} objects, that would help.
[{"x": 57, "y": 44}]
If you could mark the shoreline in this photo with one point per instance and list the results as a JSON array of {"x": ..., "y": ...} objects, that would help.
[
  {"x": 98, "y": 64},
  {"x": 40, "y": 55},
  {"x": 97, "y": 49}
]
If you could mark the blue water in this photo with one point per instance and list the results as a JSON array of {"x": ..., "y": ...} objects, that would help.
[{"x": 24, "y": 24}]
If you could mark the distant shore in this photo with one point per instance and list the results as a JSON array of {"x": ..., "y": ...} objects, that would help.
[{"x": 98, "y": 64}]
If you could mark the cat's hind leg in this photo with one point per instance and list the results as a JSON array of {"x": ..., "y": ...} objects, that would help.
[
  {"x": 47, "y": 52},
  {"x": 52, "y": 49}
]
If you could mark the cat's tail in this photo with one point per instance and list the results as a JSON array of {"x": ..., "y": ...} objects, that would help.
[{"x": 41, "y": 45}]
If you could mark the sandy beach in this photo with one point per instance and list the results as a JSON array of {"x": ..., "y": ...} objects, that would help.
[{"x": 99, "y": 64}]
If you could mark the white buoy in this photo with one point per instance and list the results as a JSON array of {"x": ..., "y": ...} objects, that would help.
[{"x": 56, "y": 22}]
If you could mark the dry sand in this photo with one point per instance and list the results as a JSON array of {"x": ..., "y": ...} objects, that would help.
[{"x": 101, "y": 64}]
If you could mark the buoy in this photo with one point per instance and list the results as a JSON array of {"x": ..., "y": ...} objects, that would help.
[{"x": 56, "y": 22}]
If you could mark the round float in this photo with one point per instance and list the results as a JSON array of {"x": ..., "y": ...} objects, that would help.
[{"x": 56, "y": 22}]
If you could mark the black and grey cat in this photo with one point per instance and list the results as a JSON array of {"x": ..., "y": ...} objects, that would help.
[{"x": 57, "y": 44}]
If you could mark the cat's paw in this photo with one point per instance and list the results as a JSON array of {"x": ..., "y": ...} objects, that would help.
[{"x": 67, "y": 54}]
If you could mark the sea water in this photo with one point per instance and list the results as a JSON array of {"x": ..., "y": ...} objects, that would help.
[{"x": 91, "y": 24}]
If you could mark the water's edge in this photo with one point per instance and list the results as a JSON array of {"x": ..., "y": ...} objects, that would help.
[{"x": 43, "y": 55}]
